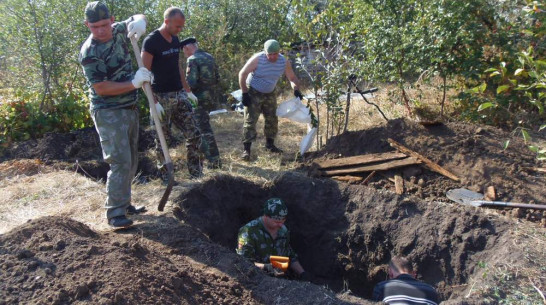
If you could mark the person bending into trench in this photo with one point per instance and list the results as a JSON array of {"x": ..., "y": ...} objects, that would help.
[
  {"x": 402, "y": 287},
  {"x": 266, "y": 236}
]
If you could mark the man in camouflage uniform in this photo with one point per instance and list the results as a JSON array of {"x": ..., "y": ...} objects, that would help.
[
  {"x": 160, "y": 54},
  {"x": 203, "y": 78},
  {"x": 106, "y": 61},
  {"x": 258, "y": 79},
  {"x": 266, "y": 236}
]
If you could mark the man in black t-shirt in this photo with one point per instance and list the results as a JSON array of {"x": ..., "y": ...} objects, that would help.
[
  {"x": 160, "y": 54},
  {"x": 403, "y": 288}
]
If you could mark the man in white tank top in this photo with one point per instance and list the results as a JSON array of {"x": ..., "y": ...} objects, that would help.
[{"x": 258, "y": 79}]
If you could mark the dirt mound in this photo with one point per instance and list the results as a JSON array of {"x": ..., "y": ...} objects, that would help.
[
  {"x": 345, "y": 234},
  {"x": 56, "y": 260},
  {"x": 78, "y": 150},
  {"x": 474, "y": 153}
]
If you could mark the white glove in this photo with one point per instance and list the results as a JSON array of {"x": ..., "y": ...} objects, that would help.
[
  {"x": 193, "y": 98},
  {"x": 160, "y": 111},
  {"x": 136, "y": 28},
  {"x": 142, "y": 75}
]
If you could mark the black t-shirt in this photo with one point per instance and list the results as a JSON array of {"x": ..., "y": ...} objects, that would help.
[
  {"x": 405, "y": 290},
  {"x": 165, "y": 63}
]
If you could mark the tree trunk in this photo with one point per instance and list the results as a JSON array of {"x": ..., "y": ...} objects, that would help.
[{"x": 347, "y": 107}]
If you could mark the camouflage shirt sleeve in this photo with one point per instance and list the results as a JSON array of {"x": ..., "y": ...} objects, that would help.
[{"x": 245, "y": 246}]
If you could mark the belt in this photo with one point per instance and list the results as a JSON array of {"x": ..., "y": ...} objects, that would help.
[{"x": 130, "y": 107}]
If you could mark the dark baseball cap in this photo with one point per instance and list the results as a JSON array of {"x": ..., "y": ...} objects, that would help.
[
  {"x": 188, "y": 40},
  {"x": 96, "y": 11},
  {"x": 275, "y": 208}
]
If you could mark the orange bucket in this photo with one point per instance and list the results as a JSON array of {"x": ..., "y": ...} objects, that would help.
[{"x": 280, "y": 262}]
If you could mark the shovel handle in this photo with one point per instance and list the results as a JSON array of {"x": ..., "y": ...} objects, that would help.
[
  {"x": 508, "y": 204},
  {"x": 149, "y": 95}
]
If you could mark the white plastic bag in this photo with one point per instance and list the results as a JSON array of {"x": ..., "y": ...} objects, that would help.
[
  {"x": 308, "y": 140},
  {"x": 294, "y": 110},
  {"x": 238, "y": 95}
]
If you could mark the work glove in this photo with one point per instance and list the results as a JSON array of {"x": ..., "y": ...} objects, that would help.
[
  {"x": 160, "y": 111},
  {"x": 246, "y": 99},
  {"x": 142, "y": 75},
  {"x": 193, "y": 99},
  {"x": 136, "y": 28},
  {"x": 298, "y": 94},
  {"x": 272, "y": 270}
]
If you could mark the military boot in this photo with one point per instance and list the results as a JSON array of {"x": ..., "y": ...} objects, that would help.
[
  {"x": 270, "y": 145},
  {"x": 246, "y": 152}
]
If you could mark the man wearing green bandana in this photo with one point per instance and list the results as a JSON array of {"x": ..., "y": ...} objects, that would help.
[
  {"x": 266, "y": 236},
  {"x": 258, "y": 79}
]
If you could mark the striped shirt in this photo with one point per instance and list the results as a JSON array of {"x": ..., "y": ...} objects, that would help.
[
  {"x": 267, "y": 74},
  {"x": 405, "y": 290}
]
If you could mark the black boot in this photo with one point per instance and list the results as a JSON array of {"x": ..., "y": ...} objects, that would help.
[
  {"x": 246, "y": 152},
  {"x": 270, "y": 145}
]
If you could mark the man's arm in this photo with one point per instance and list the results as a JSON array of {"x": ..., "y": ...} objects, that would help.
[
  {"x": 110, "y": 88},
  {"x": 183, "y": 78},
  {"x": 294, "y": 81},
  {"x": 249, "y": 67},
  {"x": 147, "y": 59},
  {"x": 296, "y": 266}
]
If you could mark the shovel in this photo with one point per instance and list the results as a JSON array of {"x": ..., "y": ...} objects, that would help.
[
  {"x": 469, "y": 197},
  {"x": 168, "y": 162}
]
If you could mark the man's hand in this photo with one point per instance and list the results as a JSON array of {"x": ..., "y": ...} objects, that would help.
[
  {"x": 306, "y": 276},
  {"x": 298, "y": 94},
  {"x": 136, "y": 28},
  {"x": 160, "y": 111},
  {"x": 193, "y": 99},
  {"x": 272, "y": 270},
  {"x": 142, "y": 75},
  {"x": 246, "y": 99}
]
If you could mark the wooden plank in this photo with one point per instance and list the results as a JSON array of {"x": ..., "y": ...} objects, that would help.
[
  {"x": 374, "y": 167},
  {"x": 350, "y": 179},
  {"x": 490, "y": 193},
  {"x": 370, "y": 176},
  {"x": 360, "y": 160},
  {"x": 433, "y": 166},
  {"x": 398, "y": 184},
  {"x": 536, "y": 169}
]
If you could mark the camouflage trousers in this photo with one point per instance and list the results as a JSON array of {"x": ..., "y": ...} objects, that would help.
[
  {"x": 178, "y": 112},
  {"x": 261, "y": 103},
  {"x": 208, "y": 142},
  {"x": 118, "y": 132}
]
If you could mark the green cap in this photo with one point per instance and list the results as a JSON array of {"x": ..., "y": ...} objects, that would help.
[
  {"x": 96, "y": 11},
  {"x": 275, "y": 208},
  {"x": 272, "y": 46},
  {"x": 187, "y": 41}
]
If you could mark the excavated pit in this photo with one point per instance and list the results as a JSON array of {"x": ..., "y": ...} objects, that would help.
[{"x": 345, "y": 234}]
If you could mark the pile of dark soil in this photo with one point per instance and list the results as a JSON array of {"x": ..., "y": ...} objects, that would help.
[
  {"x": 79, "y": 151},
  {"x": 474, "y": 153},
  {"x": 346, "y": 234},
  {"x": 57, "y": 260}
]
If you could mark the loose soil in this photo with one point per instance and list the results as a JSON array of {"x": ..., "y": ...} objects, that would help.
[{"x": 344, "y": 234}]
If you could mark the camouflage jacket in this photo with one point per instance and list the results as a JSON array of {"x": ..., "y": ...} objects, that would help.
[
  {"x": 109, "y": 61},
  {"x": 202, "y": 76},
  {"x": 256, "y": 244}
]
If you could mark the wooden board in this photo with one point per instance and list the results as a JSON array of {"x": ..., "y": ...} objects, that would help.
[
  {"x": 398, "y": 184},
  {"x": 360, "y": 160},
  {"x": 374, "y": 167},
  {"x": 433, "y": 166},
  {"x": 350, "y": 179}
]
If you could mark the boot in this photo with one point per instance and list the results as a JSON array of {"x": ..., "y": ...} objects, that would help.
[
  {"x": 246, "y": 152},
  {"x": 270, "y": 145}
]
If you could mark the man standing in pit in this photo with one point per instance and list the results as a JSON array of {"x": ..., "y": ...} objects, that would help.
[
  {"x": 266, "y": 236},
  {"x": 402, "y": 287},
  {"x": 160, "y": 54},
  {"x": 258, "y": 79},
  {"x": 106, "y": 62},
  {"x": 203, "y": 78}
]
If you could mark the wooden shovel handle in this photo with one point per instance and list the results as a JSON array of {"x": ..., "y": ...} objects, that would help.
[{"x": 509, "y": 204}]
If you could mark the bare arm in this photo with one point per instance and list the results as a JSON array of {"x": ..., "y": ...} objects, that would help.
[
  {"x": 183, "y": 78},
  {"x": 109, "y": 88},
  {"x": 296, "y": 266},
  {"x": 294, "y": 81},
  {"x": 249, "y": 67},
  {"x": 147, "y": 59}
]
